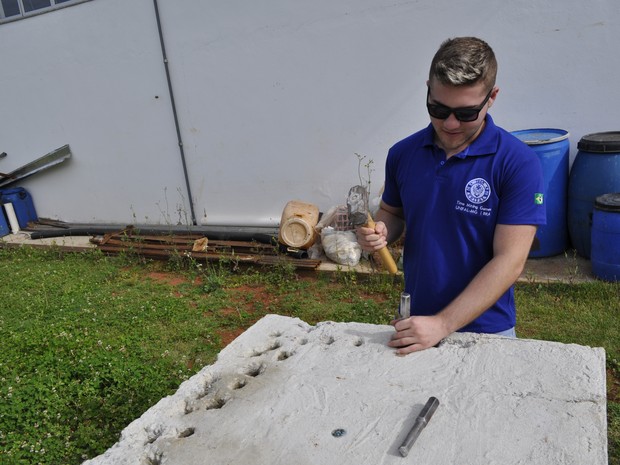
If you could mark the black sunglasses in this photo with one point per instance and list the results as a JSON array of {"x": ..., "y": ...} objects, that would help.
[{"x": 465, "y": 115}]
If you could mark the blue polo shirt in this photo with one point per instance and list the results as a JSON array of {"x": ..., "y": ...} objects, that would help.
[{"x": 451, "y": 208}]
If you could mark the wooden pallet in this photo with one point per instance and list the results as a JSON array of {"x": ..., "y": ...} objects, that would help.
[{"x": 197, "y": 247}]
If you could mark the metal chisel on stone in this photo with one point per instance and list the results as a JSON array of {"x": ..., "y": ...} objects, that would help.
[
  {"x": 404, "y": 309},
  {"x": 420, "y": 423}
]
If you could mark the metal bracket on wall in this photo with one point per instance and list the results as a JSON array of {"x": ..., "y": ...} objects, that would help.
[{"x": 46, "y": 161}]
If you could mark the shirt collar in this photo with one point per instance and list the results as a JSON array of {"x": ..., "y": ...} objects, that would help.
[{"x": 485, "y": 144}]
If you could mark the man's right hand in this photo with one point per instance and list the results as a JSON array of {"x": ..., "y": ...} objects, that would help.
[
  {"x": 370, "y": 239},
  {"x": 375, "y": 239}
]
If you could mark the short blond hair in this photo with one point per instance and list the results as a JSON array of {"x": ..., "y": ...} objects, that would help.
[{"x": 464, "y": 61}]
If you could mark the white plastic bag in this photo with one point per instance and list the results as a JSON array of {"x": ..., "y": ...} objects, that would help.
[{"x": 341, "y": 246}]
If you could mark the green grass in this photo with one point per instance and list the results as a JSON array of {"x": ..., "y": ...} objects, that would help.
[
  {"x": 90, "y": 342},
  {"x": 587, "y": 314}
]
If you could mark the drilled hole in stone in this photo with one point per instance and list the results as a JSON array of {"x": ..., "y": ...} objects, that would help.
[
  {"x": 283, "y": 355},
  {"x": 255, "y": 370},
  {"x": 208, "y": 385},
  {"x": 215, "y": 403},
  {"x": 238, "y": 384},
  {"x": 328, "y": 340},
  {"x": 205, "y": 391},
  {"x": 189, "y": 408},
  {"x": 274, "y": 345},
  {"x": 155, "y": 458},
  {"x": 358, "y": 342},
  {"x": 152, "y": 435},
  {"x": 303, "y": 341},
  {"x": 187, "y": 432}
]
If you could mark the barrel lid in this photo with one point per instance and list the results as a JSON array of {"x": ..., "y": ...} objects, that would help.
[
  {"x": 12, "y": 190},
  {"x": 295, "y": 232},
  {"x": 540, "y": 136},
  {"x": 608, "y": 202},
  {"x": 600, "y": 142}
]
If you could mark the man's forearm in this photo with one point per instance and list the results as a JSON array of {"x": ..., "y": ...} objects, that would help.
[
  {"x": 482, "y": 292},
  {"x": 512, "y": 245}
]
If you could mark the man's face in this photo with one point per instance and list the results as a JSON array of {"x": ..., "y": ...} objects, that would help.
[{"x": 451, "y": 134}]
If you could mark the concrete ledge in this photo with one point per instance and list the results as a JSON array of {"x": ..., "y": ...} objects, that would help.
[
  {"x": 278, "y": 392},
  {"x": 67, "y": 243}
]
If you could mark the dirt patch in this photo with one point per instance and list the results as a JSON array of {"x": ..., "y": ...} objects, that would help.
[
  {"x": 249, "y": 304},
  {"x": 229, "y": 335},
  {"x": 166, "y": 278}
]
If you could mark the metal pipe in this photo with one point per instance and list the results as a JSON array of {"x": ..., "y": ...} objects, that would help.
[
  {"x": 174, "y": 112},
  {"x": 12, "y": 217},
  {"x": 420, "y": 423},
  {"x": 53, "y": 158}
]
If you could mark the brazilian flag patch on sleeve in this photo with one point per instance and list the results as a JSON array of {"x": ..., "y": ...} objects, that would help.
[{"x": 538, "y": 198}]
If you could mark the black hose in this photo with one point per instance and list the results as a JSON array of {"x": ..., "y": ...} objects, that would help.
[{"x": 265, "y": 235}]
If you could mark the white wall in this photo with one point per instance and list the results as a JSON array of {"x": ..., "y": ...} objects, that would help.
[
  {"x": 88, "y": 76},
  {"x": 274, "y": 98}
]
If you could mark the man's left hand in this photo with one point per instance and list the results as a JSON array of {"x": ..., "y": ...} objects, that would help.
[{"x": 417, "y": 333}]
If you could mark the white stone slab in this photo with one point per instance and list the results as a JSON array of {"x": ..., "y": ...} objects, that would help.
[{"x": 276, "y": 394}]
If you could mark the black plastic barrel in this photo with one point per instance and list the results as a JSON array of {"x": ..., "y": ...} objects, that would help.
[
  {"x": 552, "y": 148},
  {"x": 595, "y": 171},
  {"x": 605, "y": 250}
]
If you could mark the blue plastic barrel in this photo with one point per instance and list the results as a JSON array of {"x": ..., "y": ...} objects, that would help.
[
  {"x": 552, "y": 148},
  {"x": 4, "y": 227},
  {"x": 595, "y": 171},
  {"x": 605, "y": 237},
  {"x": 22, "y": 204}
]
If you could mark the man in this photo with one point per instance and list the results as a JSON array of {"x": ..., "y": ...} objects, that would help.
[{"x": 469, "y": 196}]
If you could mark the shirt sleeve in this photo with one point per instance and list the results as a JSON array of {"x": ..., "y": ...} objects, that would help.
[
  {"x": 391, "y": 194},
  {"x": 522, "y": 196}
]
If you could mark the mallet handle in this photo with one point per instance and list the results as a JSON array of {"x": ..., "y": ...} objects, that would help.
[{"x": 384, "y": 253}]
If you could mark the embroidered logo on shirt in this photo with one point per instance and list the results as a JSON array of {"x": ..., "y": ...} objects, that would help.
[
  {"x": 477, "y": 191},
  {"x": 538, "y": 198}
]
